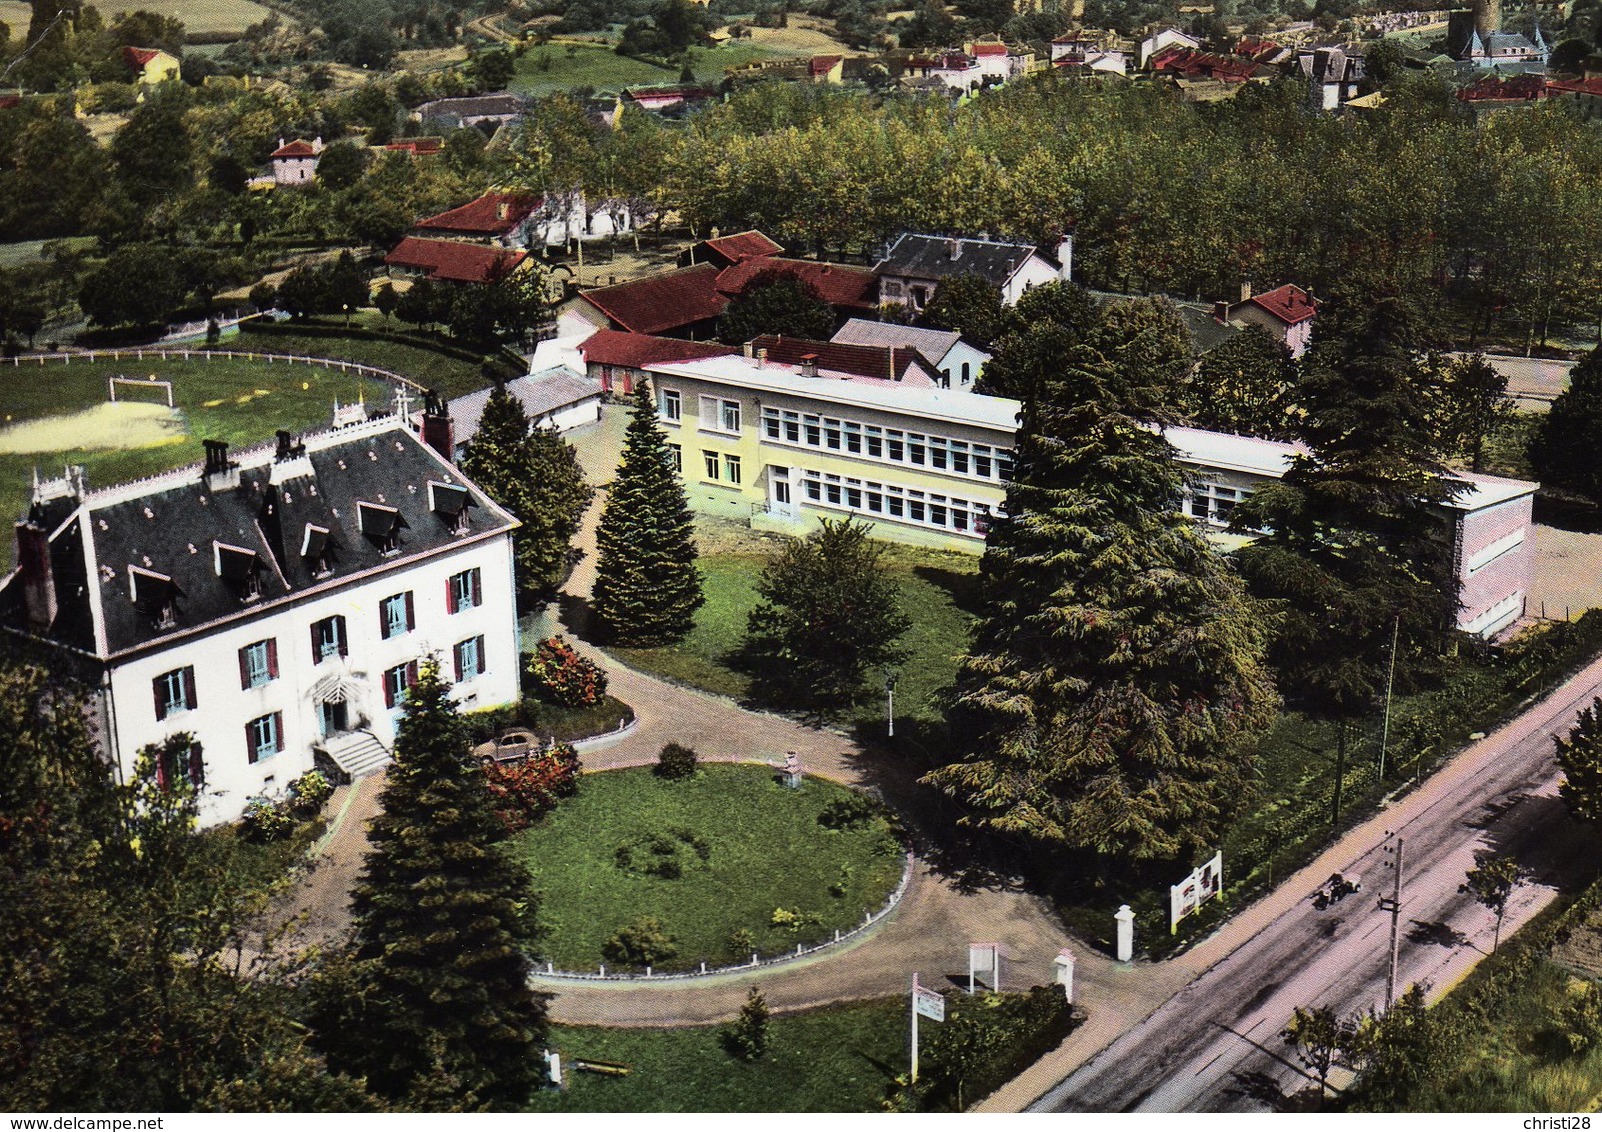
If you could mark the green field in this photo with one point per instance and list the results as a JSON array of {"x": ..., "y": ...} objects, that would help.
[
  {"x": 934, "y": 587},
  {"x": 842, "y": 1059},
  {"x": 766, "y": 850},
  {"x": 564, "y": 66}
]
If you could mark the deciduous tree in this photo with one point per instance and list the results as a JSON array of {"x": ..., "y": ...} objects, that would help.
[
  {"x": 776, "y": 302},
  {"x": 968, "y": 304},
  {"x": 1580, "y": 756},
  {"x": 1563, "y": 451},
  {"x": 1491, "y": 882}
]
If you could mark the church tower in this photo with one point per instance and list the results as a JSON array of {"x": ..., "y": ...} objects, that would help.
[{"x": 1487, "y": 18}]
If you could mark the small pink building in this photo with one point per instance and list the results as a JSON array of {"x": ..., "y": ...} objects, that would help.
[{"x": 1285, "y": 312}]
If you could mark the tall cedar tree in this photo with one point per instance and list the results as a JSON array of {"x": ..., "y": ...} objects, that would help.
[
  {"x": 1114, "y": 690},
  {"x": 1564, "y": 451},
  {"x": 829, "y": 613},
  {"x": 534, "y": 474},
  {"x": 91, "y": 870},
  {"x": 1036, "y": 334},
  {"x": 647, "y": 587},
  {"x": 1356, "y": 540},
  {"x": 438, "y": 973},
  {"x": 1580, "y": 756},
  {"x": 1244, "y": 385}
]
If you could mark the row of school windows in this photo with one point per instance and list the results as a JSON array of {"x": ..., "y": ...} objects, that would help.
[
  {"x": 812, "y": 430},
  {"x": 902, "y": 504}
]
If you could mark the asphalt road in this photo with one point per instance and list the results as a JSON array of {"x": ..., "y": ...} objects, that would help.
[
  {"x": 1532, "y": 382},
  {"x": 1216, "y": 1046}
]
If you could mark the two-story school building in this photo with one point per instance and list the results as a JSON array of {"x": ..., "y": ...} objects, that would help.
[
  {"x": 274, "y": 605},
  {"x": 782, "y": 446}
]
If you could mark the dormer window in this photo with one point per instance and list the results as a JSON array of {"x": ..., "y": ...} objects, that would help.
[
  {"x": 382, "y": 524},
  {"x": 450, "y": 502},
  {"x": 154, "y": 593},
  {"x": 315, "y": 551},
  {"x": 239, "y": 568}
]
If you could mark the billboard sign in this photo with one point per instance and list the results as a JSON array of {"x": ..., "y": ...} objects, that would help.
[
  {"x": 931, "y": 1004},
  {"x": 1195, "y": 890}
]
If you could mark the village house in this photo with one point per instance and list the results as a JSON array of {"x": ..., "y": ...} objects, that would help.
[
  {"x": 272, "y": 605},
  {"x": 1286, "y": 313},
  {"x": 953, "y": 70},
  {"x": 524, "y": 220},
  {"x": 556, "y": 397},
  {"x": 726, "y": 251},
  {"x": 1097, "y": 53},
  {"x": 956, "y": 363},
  {"x": 418, "y": 147},
  {"x": 616, "y": 360},
  {"x": 1333, "y": 75},
  {"x": 454, "y": 261},
  {"x": 1161, "y": 39},
  {"x": 150, "y": 65},
  {"x": 446, "y": 114},
  {"x": 296, "y": 162},
  {"x": 668, "y": 101},
  {"x": 915, "y": 263},
  {"x": 781, "y": 446}
]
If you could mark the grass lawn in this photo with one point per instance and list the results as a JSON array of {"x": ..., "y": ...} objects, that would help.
[
  {"x": 230, "y": 399},
  {"x": 841, "y": 1059},
  {"x": 767, "y": 850},
  {"x": 935, "y": 587},
  {"x": 563, "y": 66},
  {"x": 430, "y": 368}
]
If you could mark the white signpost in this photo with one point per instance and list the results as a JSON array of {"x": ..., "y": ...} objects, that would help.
[
  {"x": 932, "y": 1005},
  {"x": 984, "y": 957},
  {"x": 1195, "y": 890},
  {"x": 1065, "y": 972}
]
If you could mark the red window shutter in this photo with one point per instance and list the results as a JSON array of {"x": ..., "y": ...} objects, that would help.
[
  {"x": 389, "y": 691},
  {"x": 272, "y": 658},
  {"x": 197, "y": 765},
  {"x": 250, "y": 742},
  {"x": 383, "y": 620},
  {"x": 162, "y": 783},
  {"x": 483, "y": 658},
  {"x": 191, "y": 701},
  {"x": 161, "y": 699},
  {"x": 456, "y": 655},
  {"x": 244, "y": 667},
  {"x": 317, "y": 653},
  {"x": 278, "y": 731},
  {"x": 476, "y": 579},
  {"x": 411, "y": 613},
  {"x": 339, "y": 634},
  {"x": 411, "y": 673},
  {"x": 450, "y": 595}
]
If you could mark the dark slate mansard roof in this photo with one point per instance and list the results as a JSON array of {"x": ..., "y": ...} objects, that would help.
[
  {"x": 929, "y": 257},
  {"x": 338, "y": 494}
]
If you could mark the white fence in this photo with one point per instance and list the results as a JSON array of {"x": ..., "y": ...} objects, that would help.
[
  {"x": 165, "y": 353},
  {"x": 869, "y": 922}
]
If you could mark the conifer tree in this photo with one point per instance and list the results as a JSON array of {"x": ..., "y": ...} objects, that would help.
[
  {"x": 1580, "y": 756},
  {"x": 1114, "y": 690},
  {"x": 534, "y": 474},
  {"x": 437, "y": 982},
  {"x": 1355, "y": 552},
  {"x": 647, "y": 587}
]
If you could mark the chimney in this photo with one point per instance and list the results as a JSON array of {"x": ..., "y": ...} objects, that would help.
[
  {"x": 317, "y": 144},
  {"x": 953, "y": 249},
  {"x": 1245, "y": 289},
  {"x": 1221, "y": 311},
  {"x": 761, "y": 358},
  {"x": 1065, "y": 257},
  {"x": 750, "y": 348},
  {"x": 501, "y": 211},
  {"x": 809, "y": 365},
  {"x": 286, "y": 446},
  {"x": 37, "y": 575},
  {"x": 280, "y": 142},
  {"x": 221, "y": 473},
  {"x": 439, "y": 431}
]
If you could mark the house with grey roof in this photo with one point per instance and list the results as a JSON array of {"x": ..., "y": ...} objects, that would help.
[
  {"x": 266, "y": 613},
  {"x": 555, "y": 397},
  {"x": 955, "y": 363},
  {"x": 915, "y": 263}
]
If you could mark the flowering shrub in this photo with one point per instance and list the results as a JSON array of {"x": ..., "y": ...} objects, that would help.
[
  {"x": 522, "y": 792},
  {"x": 266, "y": 820},
  {"x": 308, "y": 793},
  {"x": 564, "y": 677}
]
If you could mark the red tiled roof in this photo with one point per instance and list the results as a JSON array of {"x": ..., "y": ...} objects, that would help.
[
  {"x": 636, "y": 351},
  {"x": 883, "y": 363},
  {"x": 418, "y": 146},
  {"x": 296, "y": 148},
  {"x": 1520, "y": 88},
  {"x": 835, "y": 284},
  {"x": 981, "y": 49},
  {"x": 1290, "y": 304},
  {"x": 1189, "y": 62},
  {"x": 1591, "y": 86},
  {"x": 492, "y": 214},
  {"x": 822, "y": 64},
  {"x": 137, "y": 57},
  {"x": 455, "y": 262},
  {"x": 744, "y": 245},
  {"x": 662, "y": 302}
]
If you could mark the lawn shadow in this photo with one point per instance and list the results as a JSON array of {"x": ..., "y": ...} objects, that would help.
[{"x": 963, "y": 588}]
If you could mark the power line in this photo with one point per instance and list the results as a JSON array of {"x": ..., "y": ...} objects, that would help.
[{"x": 61, "y": 14}]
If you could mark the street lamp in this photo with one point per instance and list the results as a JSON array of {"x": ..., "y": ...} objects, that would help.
[
  {"x": 890, "y": 699},
  {"x": 347, "y": 316}
]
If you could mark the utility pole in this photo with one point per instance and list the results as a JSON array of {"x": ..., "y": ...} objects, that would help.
[
  {"x": 1390, "y": 685},
  {"x": 1393, "y": 905},
  {"x": 890, "y": 700}
]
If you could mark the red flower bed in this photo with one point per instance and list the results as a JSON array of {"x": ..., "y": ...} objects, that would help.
[{"x": 524, "y": 791}]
